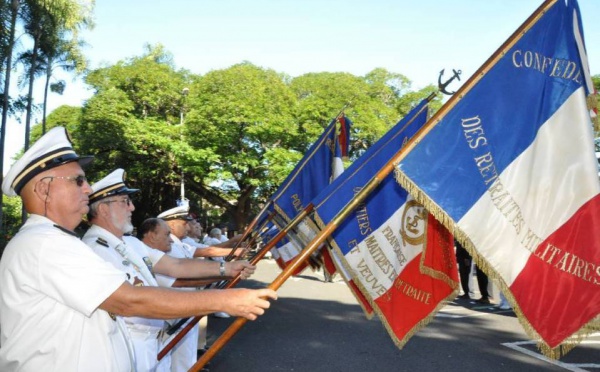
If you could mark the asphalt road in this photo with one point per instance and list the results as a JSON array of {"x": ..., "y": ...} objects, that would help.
[{"x": 317, "y": 326}]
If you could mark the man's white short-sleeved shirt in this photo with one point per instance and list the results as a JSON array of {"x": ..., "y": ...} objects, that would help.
[
  {"x": 52, "y": 285},
  {"x": 178, "y": 250},
  {"x": 210, "y": 241},
  {"x": 103, "y": 243},
  {"x": 144, "y": 250},
  {"x": 193, "y": 243}
]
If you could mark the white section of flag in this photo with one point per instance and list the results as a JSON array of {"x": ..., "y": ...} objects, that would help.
[
  {"x": 382, "y": 276},
  {"x": 338, "y": 167},
  {"x": 549, "y": 182},
  {"x": 288, "y": 251}
]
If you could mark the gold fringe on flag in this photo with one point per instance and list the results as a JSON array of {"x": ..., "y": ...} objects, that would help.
[{"x": 333, "y": 244}]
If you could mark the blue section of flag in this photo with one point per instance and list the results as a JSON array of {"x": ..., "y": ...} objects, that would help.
[
  {"x": 522, "y": 90},
  {"x": 309, "y": 177},
  {"x": 269, "y": 232},
  {"x": 389, "y": 195}
]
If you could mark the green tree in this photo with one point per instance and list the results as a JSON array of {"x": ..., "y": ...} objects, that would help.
[
  {"x": 234, "y": 134},
  {"x": 596, "y": 81},
  {"x": 47, "y": 23},
  {"x": 596, "y": 102},
  {"x": 7, "y": 50},
  {"x": 374, "y": 103},
  {"x": 241, "y": 119},
  {"x": 61, "y": 54},
  {"x": 63, "y": 116},
  {"x": 132, "y": 122},
  {"x": 12, "y": 220}
]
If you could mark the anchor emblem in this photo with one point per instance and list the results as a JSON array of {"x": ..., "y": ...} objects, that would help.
[{"x": 442, "y": 86}]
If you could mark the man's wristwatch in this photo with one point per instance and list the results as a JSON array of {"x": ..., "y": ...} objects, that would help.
[{"x": 222, "y": 268}]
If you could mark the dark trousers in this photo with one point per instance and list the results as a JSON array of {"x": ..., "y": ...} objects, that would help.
[
  {"x": 463, "y": 258},
  {"x": 464, "y": 270},
  {"x": 482, "y": 280}
]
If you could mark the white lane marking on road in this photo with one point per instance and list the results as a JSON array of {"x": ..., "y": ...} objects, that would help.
[
  {"x": 447, "y": 312},
  {"x": 575, "y": 367}
]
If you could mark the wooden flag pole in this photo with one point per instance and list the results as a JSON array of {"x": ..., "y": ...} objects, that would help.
[
  {"x": 303, "y": 256},
  {"x": 271, "y": 244},
  {"x": 305, "y": 212},
  {"x": 248, "y": 230},
  {"x": 254, "y": 238}
]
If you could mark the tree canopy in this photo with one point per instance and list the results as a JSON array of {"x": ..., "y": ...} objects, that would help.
[{"x": 233, "y": 133}]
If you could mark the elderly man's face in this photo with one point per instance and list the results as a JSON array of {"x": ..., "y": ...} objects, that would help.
[
  {"x": 179, "y": 228},
  {"x": 120, "y": 208},
  {"x": 162, "y": 237},
  {"x": 64, "y": 190},
  {"x": 194, "y": 229}
]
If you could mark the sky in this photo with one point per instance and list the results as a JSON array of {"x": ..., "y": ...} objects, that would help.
[{"x": 416, "y": 38}]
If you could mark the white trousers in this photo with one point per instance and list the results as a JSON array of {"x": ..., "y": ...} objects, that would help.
[
  {"x": 146, "y": 345},
  {"x": 185, "y": 354}
]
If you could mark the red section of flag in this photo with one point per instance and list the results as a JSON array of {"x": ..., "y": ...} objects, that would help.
[
  {"x": 438, "y": 259},
  {"x": 364, "y": 303},
  {"x": 344, "y": 136},
  {"x": 415, "y": 296},
  {"x": 283, "y": 264},
  {"x": 558, "y": 290},
  {"x": 328, "y": 264}
]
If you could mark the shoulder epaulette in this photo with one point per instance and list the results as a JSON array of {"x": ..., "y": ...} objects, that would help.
[{"x": 102, "y": 242}]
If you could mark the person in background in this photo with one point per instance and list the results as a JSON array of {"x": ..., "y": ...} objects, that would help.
[
  {"x": 224, "y": 236},
  {"x": 504, "y": 304},
  {"x": 465, "y": 260},
  {"x": 220, "y": 249},
  {"x": 214, "y": 237}
]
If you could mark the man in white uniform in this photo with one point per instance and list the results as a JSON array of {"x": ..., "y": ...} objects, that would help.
[
  {"x": 155, "y": 233},
  {"x": 110, "y": 216},
  {"x": 193, "y": 230},
  {"x": 215, "y": 237},
  {"x": 222, "y": 249},
  {"x": 58, "y": 300},
  {"x": 185, "y": 353}
]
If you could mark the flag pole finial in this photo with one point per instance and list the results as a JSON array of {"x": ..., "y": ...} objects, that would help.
[{"x": 442, "y": 86}]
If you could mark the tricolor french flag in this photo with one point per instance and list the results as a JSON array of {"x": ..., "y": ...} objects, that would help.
[
  {"x": 312, "y": 173},
  {"x": 381, "y": 244},
  {"x": 320, "y": 165},
  {"x": 509, "y": 167}
]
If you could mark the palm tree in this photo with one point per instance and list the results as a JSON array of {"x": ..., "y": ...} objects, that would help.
[
  {"x": 14, "y": 10},
  {"x": 5, "y": 15},
  {"x": 38, "y": 23},
  {"x": 46, "y": 21},
  {"x": 49, "y": 23},
  {"x": 66, "y": 55}
]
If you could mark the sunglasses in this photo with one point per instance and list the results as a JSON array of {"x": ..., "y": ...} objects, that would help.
[
  {"x": 79, "y": 180},
  {"x": 124, "y": 201}
]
